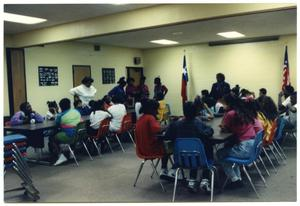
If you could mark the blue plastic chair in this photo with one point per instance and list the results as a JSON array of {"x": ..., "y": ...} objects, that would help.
[
  {"x": 257, "y": 148},
  {"x": 279, "y": 137},
  {"x": 189, "y": 153}
]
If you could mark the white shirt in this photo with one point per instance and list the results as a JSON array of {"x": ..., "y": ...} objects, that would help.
[
  {"x": 85, "y": 94},
  {"x": 287, "y": 101},
  {"x": 97, "y": 118},
  {"x": 117, "y": 111},
  {"x": 137, "y": 108}
]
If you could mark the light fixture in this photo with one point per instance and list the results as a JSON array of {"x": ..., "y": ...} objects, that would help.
[
  {"x": 164, "y": 42},
  {"x": 22, "y": 19},
  {"x": 231, "y": 34},
  {"x": 177, "y": 33}
]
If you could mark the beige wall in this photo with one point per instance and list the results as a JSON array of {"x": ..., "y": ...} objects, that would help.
[
  {"x": 64, "y": 55},
  {"x": 251, "y": 65}
]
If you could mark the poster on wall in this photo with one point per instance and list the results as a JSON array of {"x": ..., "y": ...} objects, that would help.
[
  {"x": 108, "y": 75},
  {"x": 48, "y": 76}
]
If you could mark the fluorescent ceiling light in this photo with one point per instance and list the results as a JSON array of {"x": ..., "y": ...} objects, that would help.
[
  {"x": 164, "y": 41},
  {"x": 22, "y": 19},
  {"x": 231, "y": 34}
]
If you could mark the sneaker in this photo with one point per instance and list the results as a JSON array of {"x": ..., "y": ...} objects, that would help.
[
  {"x": 60, "y": 160},
  {"x": 205, "y": 186},
  {"x": 192, "y": 186},
  {"x": 172, "y": 173}
]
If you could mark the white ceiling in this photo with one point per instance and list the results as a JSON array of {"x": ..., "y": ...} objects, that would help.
[
  {"x": 274, "y": 23},
  {"x": 61, "y": 13},
  {"x": 254, "y": 25}
]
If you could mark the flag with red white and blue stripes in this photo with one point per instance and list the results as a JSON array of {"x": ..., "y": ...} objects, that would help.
[
  {"x": 184, "y": 81},
  {"x": 286, "y": 72}
]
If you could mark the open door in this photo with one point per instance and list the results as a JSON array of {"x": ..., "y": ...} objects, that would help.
[
  {"x": 79, "y": 72},
  {"x": 136, "y": 73}
]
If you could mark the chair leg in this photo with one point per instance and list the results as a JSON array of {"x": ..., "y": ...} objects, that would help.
[
  {"x": 171, "y": 160},
  {"x": 153, "y": 167},
  {"x": 263, "y": 163},
  {"x": 139, "y": 172},
  {"x": 109, "y": 145},
  {"x": 156, "y": 164},
  {"x": 271, "y": 162},
  {"x": 279, "y": 154},
  {"x": 86, "y": 149},
  {"x": 98, "y": 150},
  {"x": 175, "y": 184},
  {"x": 272, "y": 150},
  {"x": 131, "y": 138},
  {"x": 281, "y": 149},
  {"x": 72, "y": 153},
  {"x": 120, "y": 143},
  {"x": 212, "y": 184},
  {"x": 259, "y": 172},
  {"x": 249, "y": 178}
]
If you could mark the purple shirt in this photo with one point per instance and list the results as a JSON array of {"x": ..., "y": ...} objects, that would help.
[{"x": 19, "y": 117}]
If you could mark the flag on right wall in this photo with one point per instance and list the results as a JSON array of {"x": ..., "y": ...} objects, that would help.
[{"x": 286, "y": 72}]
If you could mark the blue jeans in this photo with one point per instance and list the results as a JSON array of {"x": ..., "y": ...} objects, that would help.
[{"x": 242, "y": 150}]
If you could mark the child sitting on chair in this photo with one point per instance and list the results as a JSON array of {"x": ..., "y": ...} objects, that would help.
[
  {"x": 67, "y": 121},
  {"x": 52, "y": 110},
  {"x": 98, "y": 114},
  {"x": 26, "y": 115}
]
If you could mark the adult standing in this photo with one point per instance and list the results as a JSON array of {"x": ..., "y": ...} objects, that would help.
[
  {"x": 220, "y": 88},
  {"x": 159, "y": 88},
  {"x": 84, "y": 92},
  {"x": 119, "y": 89},
  {"x": 143, "y": 89}
]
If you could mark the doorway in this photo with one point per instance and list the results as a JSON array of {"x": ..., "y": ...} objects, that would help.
[
  {"x": 136, "y": 73},
  {"x": 16, "y": 78},
  {"x": 79, "y": 72}
]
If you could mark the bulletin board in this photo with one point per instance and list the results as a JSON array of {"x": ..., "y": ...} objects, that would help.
[
  {"x": 48, "y": 76},
  {"x": 108, "y": 75}
]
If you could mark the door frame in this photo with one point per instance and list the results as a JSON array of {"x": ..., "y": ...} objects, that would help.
[
  {"x": 140, "y": 68},
  {"x": 10, "y": 77},
  {"x": 76, "y": 65}
]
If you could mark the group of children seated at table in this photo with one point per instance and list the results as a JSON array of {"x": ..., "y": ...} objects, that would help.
[{"x": 244, "y": 116}]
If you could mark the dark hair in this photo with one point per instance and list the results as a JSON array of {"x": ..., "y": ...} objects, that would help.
[
  {"x": 245, "y": 92},
  {"x": 87, "y": 79},
  {"x": 52, "y": 104},
  {"x": 106, "y": 99},
  {"x": 243, "y": 113},
  {"x": 263, "y": 91},
  {"x": 268, "y": 107},
  {"x": 23, "y": 106},
  {"x": 64, "y": 104},
  {"x": 221, "y": 76},
  {"x": 122, "y": 81},
  {"x": 198, "y": 103},
  {"x": 189, "y": 110},
  {"x": 118, "y": 99},
  {"x": 76, "y": 103},
  {"x": 97, "y": 105},
  {"x": 236, "y": 90},
  {"x": 129, "y": 80},
  {"x": 289, "y": 89},
  {"x": 204, "y": 92},
  {"x": 150, "y": 106},
  {"x": 157, "y": 80}
]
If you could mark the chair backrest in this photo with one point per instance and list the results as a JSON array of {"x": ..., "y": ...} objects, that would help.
[
  {"x": 126, "y": 123},
  {"x": 189, "y": 153},
  {"x": 80, "y": 132},
  {"x": 279, "y": 132},
  {"x": 103, "y": 128}
]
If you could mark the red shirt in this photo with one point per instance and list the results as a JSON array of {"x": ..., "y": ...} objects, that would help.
[
  {"x": 241, "y": 131},
  {"x": 146, "y": 141}
]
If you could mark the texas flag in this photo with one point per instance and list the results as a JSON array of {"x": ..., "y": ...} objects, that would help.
[{"x": 184, "y": 81}]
